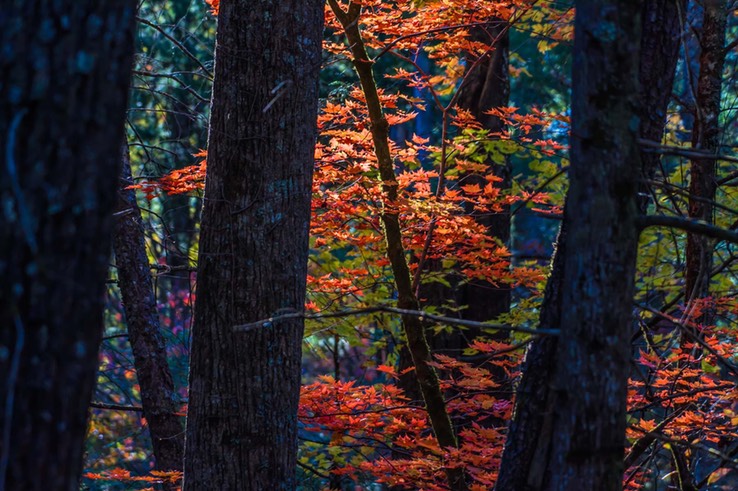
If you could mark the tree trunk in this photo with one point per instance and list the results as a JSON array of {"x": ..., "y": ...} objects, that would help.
[
  {"x": 705, "y": 138},
  {"x": 158, "y": 396},
  {"x": 661, "y": 21},
  {"x": 64, "y": 77},
  {"x": 596, "y": 295},
  {"x": 488, "y": 87},
  {"x": 244, "y": 386},
  {"x": 531, "y": 429},
  {"x": 532, "y": 425}
]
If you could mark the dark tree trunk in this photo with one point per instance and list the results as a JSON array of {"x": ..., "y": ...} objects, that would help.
[
  {"x": 64, "y": 76},
  {"x": 596, "y": 295},
  {"x": 158, "y": 397},
  {"x": 244, "y": 386},
  {"x": 488, "y": 87},
  {"x": 531, "y": 429},
  {"x": 661, "y": 21},
  {"x": 706, "y": 138},
  {"x": 532, "y": 426}
]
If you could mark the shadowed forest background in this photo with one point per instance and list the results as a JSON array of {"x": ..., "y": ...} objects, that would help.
[{"x": 384, "y": 245}]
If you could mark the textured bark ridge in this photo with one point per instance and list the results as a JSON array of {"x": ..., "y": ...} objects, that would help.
[
  {"x": 64, "y": 74},
  {"x": 158, "y": 396},
  {"x": 706, "y": 138},
  {"x": 659, "y": 55},
  {"x": 244, "y": 386}
]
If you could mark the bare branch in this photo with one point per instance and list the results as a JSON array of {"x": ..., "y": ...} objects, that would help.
[
  {"x": 689, "y": 225},
  {"x": 177, "y": 44},
  {"x": 423, "y": 316},
  {"x": 313, "y": 470},
  {"x": 115, "y": 407},
  {"x": 684, "y": 152},
  {"x": 728, "y": 461},
  {"x": 689, "y": 331}
]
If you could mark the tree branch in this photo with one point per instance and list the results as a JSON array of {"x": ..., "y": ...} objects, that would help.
[
  {"x": 115, "y": 407},
  {"x": 689, "y": 332},
  {"x": 313, "y": 470},
  {"x": 684, "y": 152},
  {"x": 179, "y": 45},
  {"x": 642, "y": 444},
  {"x": 689, "y": 225},
  {"x": 728, "y": 461},
  {"x": 422, "y": 315}
]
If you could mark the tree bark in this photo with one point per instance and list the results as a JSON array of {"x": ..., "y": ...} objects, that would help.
[
  {"x": 530, "y": 432},
  {"x": 532, "y": 424},
  {"x": 64, "y": 76},
  {"x": 706, "y": 138},
  {"x": 596, "y": 295},
  {"x": 158, "y": 396},
  {"x": 244, "y": 387},
  {"x": 661, "y": 21}
]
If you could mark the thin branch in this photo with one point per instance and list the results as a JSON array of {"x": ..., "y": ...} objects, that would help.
[
  {"x": 697, "y": 446},
  {"x": 684, "y": 152},
  {"x": 115, "y": 336},
  {"x": 177, "y": 44},
  {"x": 689, "y": 225},
  {"x": 165, "y": 268},
  {"x": 704, "y": 481},
  {"x": 539, "y": 190},
  {"x": 678, "y": 395},
  {"x": 689, "y": 331},
  {"x": 115, "y": 407},
  {"x": 673, "y": 188},
  {"x": 357, "y": 413},
  {"x": 171, "y": 76},
  {"x": 435, "y": 30},
  {"x": 681, "y": 468},
  {"x": 727, "y": 179},
  {"x": 729, "y": 47},
  {"x": 422, "y": 315},
  {"x": 642, "y": 444},
  {"x": 313, "y": 470}
]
